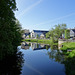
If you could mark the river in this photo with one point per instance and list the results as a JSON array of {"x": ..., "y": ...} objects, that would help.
[{"x": 41, "y": 59}]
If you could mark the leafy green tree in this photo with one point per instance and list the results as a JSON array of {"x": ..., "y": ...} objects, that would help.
[
  {"x": 59, "y": 30},
  {"x": 56, "y": 33},
  {"x": 67, "y": 34},
  {"x": 22, "y": 31},
  {"x": 37, "y": 36},
  {"x": 9, "y": 29},
  {"x": 48, "y": 35},
  {"x": 17, "y": 34},
  {"x": 29, "y": 36}
]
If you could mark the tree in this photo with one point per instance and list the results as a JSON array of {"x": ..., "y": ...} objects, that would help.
[
  {"x": 22, "y": 31},
  {"x": 29, "y": 36},
  {"x": 17, "y": 34},
  {"x": 48, "y": 35},
  {"x": 59, "y": 30},
  {"x": 56, "y": 33},
  {"x": 67, "y": 34},
  {"x": 9, "y": 30},
  {"x": 37, "y": 36}
]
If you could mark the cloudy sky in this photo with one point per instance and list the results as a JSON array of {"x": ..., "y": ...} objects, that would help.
[{"x": 44, "y": 14}]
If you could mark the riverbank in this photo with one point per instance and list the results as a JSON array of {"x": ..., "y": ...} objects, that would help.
[
  {"x": 69, "y": 52},
  {"x": 45, "y": 41},
  {"x": 69, "y": 48}
]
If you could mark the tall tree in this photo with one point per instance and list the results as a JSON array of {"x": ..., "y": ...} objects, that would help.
[
  {"x": 56, "y": 33},
  {"x": 67, "y": 34},
  {"x": 59, "y": 30},
  {"x": 8, "y": 27}
]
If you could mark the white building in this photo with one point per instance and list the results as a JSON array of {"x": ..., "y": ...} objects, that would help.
[
  {"x": 72, "y": 33},
  {"x": 26, "y": 33},
  {"x": 38, "y": 33}
]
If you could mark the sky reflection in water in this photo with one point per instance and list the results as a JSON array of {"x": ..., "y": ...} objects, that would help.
[{"x": 41, "y": 60}]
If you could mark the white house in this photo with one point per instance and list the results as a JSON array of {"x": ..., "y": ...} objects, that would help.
[
  {"x": 42, "y": 36},
  {"x": 26, "y": 33},
  {"x": 39, "y": 33},
  {"x": 72, "y": 33}
]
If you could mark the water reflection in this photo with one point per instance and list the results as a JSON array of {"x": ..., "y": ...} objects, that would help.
[
  {"x": 34, "y": 46},
  {"x": 11, "y": 65},
  {"x": 56, "y": 55},
  {"x": 25, "y": 45},
  {"x": 53, "y": 53},
  {"x": 42, "y": 59}
]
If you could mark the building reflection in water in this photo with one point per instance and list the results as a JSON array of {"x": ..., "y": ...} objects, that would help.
[
  {"x": 34, "y": 46},
  {"x": 25, "y": 45},
  {"x": 50, "y": 51},
  {"x": 53, "y": 53}
]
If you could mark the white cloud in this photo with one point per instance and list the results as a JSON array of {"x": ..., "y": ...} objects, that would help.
[{"x": 29, "y": 8}]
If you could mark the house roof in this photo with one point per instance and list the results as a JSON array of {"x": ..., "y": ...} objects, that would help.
[
  {"x": 73, "y": 30},
  {"x": 27, "y": 34},
  {"x": 41, "y": 31}
]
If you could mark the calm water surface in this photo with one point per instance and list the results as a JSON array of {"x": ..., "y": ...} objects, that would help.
[{"x": 40, "y": 59}]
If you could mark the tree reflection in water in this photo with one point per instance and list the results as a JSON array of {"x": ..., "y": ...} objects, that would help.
[
  {"x": 11, "y": 65},
  {"x": 55, "y": 54}
]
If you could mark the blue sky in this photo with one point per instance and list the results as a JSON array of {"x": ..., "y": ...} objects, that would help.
[{"x": 44, "y": 14}]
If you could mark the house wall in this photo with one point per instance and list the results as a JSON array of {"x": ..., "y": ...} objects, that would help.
[
  {"x": 71, "y": 33},
  {"x": 23, "y": 36},
  {"x": 37, "y": 33},
  {"x": 34, "y": 34}
]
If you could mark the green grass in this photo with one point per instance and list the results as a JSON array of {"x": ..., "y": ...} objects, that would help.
[
  {"x": 68, "y": 46},
  {"x": 40, "y": 41},
  {"x": 72, "y": 54},
  {"x": 70, "y": 57}
]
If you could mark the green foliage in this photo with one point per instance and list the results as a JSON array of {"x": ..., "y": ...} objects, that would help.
[
  {"x": 22, "y": 31},
  {"x": 48, "y": 35},
  {"x": 72, "y": 54},
  {"x": 9, "y": 27},
  {"x": 37, "y": 36},
  {"x": 67, "y": 34},
  {"x": 40, "y": 41},
  {"x": 70, "y": 46},
  {"x": 29, "y": 36},
  {"x": 70, "y": 66},
  {"x": 70, "y": 57},
  {"x": 56, "y": 33},
  {"x": 47, "y": 47},
  {"x": 64, "y": 48}
]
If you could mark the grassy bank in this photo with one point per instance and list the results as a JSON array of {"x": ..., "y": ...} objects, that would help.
[
  {"x": 70, "y": 57},
  {"x": 40, "y": 41},
  {"x": 68, "y": 46}
]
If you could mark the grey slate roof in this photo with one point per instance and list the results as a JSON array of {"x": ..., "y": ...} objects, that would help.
[
  {"x": 73, "y": 30},
  {"x": 41, "y": 31}
]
